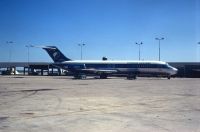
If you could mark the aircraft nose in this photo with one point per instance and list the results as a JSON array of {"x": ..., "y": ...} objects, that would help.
[{"x": 175, "y": 70}]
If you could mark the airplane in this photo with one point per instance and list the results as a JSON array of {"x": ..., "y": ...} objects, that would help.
[{"x": 104, "y": 68}]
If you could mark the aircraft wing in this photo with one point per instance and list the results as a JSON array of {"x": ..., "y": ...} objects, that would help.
[{"x": 100, "y": 71}]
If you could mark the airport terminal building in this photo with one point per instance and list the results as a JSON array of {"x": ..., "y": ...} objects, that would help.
[{"x": 187, "y": 69}]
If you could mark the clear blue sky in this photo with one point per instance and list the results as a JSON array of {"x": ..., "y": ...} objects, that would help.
[{"x": 108, "y": 28}]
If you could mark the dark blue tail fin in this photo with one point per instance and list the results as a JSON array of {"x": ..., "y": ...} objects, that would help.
[{"x": 55, "y": 54}]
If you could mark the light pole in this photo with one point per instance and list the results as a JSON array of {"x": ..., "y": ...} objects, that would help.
[
  {"x": 139, "y": 44},
  {"x": 198, "y": 44},
  {"x": 159, "y": 39},
  {"x": 28, "y": 46},
  {"x": 81, "y": 45},
  {"x": 10, "y": 53}
]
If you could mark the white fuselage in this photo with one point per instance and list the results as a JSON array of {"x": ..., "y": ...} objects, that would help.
[{"x": 157, "y": 67}]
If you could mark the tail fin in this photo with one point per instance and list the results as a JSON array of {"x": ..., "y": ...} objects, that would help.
[{"x": 55, "y": 54}]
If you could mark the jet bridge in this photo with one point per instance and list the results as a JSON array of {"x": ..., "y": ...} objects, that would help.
[{"x": 31, "y": 68}]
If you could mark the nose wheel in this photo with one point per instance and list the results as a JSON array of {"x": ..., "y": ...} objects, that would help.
[
  {"x": 80, "y": 76},
  {"x": 103, "y": 76}
]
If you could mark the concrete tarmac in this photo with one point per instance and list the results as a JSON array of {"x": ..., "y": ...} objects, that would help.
[{"x": 61, "y": 104}]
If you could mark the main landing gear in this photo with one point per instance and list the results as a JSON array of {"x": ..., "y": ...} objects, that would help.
[
  {"x": 84, "y": 76},
  {"x": 80, "y": 76},
  {"x": 103, "y": 76},
  {"x": 131, "y": 76}
]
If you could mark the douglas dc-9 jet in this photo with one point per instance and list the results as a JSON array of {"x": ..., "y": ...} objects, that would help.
[{"x": 104, "y": 68}]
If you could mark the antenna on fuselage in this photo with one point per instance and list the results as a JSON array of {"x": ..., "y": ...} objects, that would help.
[{"x": 104, "y": 58}]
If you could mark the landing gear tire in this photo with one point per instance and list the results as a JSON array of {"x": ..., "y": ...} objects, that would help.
[
  {"x": 103, "y": 76},
  {"x": 131, "y": 77},
  {"x": 169, "y": 77},
  {"x": 80, "y": 76}
]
